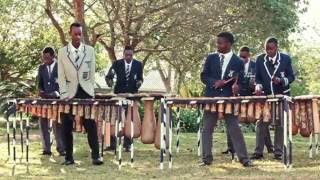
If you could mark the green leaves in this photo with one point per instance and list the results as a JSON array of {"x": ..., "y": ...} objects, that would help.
[
  {"x": 9, "y": 90},
  {"x": 306, "y": 61}
]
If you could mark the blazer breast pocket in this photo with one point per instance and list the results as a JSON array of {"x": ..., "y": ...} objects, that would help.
[
  {"x": 86, "y": 75},
  {"x": 86, "y": 70}
]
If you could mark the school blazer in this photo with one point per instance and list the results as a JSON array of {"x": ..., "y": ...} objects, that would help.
[
  {"x": 70, "y": 77},
  {"x": 281, "y": 69}
]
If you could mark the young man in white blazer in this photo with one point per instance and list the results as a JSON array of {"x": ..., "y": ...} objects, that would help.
[{"x": 76, "y": 70}]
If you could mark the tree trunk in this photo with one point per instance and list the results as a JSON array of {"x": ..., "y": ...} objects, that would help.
[
  {"x": 178, "y": 81},
  {"x": 79, "y": 17}
]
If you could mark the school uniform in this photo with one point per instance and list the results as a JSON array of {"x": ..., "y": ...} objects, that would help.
[
  {"x": 49, "y": 89},
  {"x": 76, "y": 70},
  {"x": 221, "y": 67},
  {"x": 129, "y": 77},
  {"x": 266, "y": 69}
]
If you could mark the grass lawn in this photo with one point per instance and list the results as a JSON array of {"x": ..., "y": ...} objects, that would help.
[{"x": 185, "y": 164}]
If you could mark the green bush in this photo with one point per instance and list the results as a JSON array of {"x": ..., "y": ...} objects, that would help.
[
  {"x": 189, "y": 122},
  {"x": 188, "y": 119}
]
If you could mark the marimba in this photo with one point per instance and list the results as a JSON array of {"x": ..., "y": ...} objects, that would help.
[
  {"x": 306, "y": 119},
  {"x": 273, "y": 109},
  {"x": 296, "y": 114},
  {"x": 108, "y": 110}
]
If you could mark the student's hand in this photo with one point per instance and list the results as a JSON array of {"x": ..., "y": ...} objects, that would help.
[
  {"x": 41, "y": 94},
  {"x": 252, "y": 83},
  {"x": 109, "y": 82},
  {"x": 276, "y": 80},
  {"x": 235, "y": 89},
  {"x": 56, "y": 94},
  {"x": 258, "y": 89},
  {"x": 139, "y": 83},
  {"x": 219, "y": 84},
  {"x": 258, "y": 92}
]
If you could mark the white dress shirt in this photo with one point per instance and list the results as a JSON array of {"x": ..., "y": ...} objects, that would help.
[
  {"x": 76, "y": 52},
  {"x": 127, "y": 65},
  {"x": 246, "y": 67},
  {"x": 273, "y": 59},
  {"x": 50, "y": 67},
  {"x": 226, "y": 61}
]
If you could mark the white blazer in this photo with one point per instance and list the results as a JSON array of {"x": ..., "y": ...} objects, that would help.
[{"x": 70, "y": 76}]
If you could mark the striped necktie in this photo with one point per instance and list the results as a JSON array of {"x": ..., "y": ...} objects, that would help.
[
  {"x": 221, "y": 64},
  {"x": 127, "y": 72},
  {"x": 221, "y": 61},
  {"x": 77, "y": 57}
]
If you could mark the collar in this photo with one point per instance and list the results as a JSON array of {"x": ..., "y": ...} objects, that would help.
[
  {"x": 274, "y": 58},
  {"x": 52, "y": 64},
  {"x": 227, "y": 55},
  {"x": 73, "y": 49},
  {"x": 128, "y": 63}
]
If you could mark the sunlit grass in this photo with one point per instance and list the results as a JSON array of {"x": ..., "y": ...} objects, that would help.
[{"x": 146, "y": 166}]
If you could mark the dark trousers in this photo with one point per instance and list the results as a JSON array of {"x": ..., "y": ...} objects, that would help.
[
  {"x": 126, "y": 143},
  {"x": 237, "y": 139},
  {"x": 45, "y": 135},
  {"x": 263, "y": 131},
  {"x": 267, "y": 141},
  {"x": 89, "y": 125},
  {"x": 126, "y": 140},
  {"x": 229, "y": 143}
]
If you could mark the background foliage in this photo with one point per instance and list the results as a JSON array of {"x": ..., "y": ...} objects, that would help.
[{"x": 170, "y": 36}]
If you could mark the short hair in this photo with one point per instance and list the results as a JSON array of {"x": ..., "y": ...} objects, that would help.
[
  {"x": 128, "y": 48},
  {"x": 245, "y": 48},
  {"x": 75, "y": 24},
  {"x": 49, "y": 50},
  {"x": 271, "y": 40},
  {"x": 227, "y": 35}
]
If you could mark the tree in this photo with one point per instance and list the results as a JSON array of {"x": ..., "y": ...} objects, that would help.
[
  {"x": 170, "y": 35},
  {"x": 306, "y": 61},
  {"x": 250, "y": 21}
]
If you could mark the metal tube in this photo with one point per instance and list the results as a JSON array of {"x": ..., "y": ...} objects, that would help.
[
  {"x": 21, "y": 132},
  {"x": 290, "y": 137},
  {"x": 14, "y": 138},
  {"x": 199, "y": 130},
  {"x": 119, "y": 129},
  {"x": 178, "y": 130},
  {"x": 162, "y": 134},
  {"x": 285, "y": 135},
  {"x": 170, "y": 135},
  {"x": 132, "y": 129}
]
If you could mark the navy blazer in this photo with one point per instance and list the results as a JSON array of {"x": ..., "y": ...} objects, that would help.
[
  {"x": 246, "y": 90},
  {"x": 265, "y": 71},
  {"x": 122, "y": 85},
  {"x": 48, "y": 84},
  {"x": 211, "y": 72}
]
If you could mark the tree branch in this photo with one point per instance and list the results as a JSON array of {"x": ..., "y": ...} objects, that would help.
[
  {"x": 110, "y": 50},
  {"x": 48, "y": 10}
]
